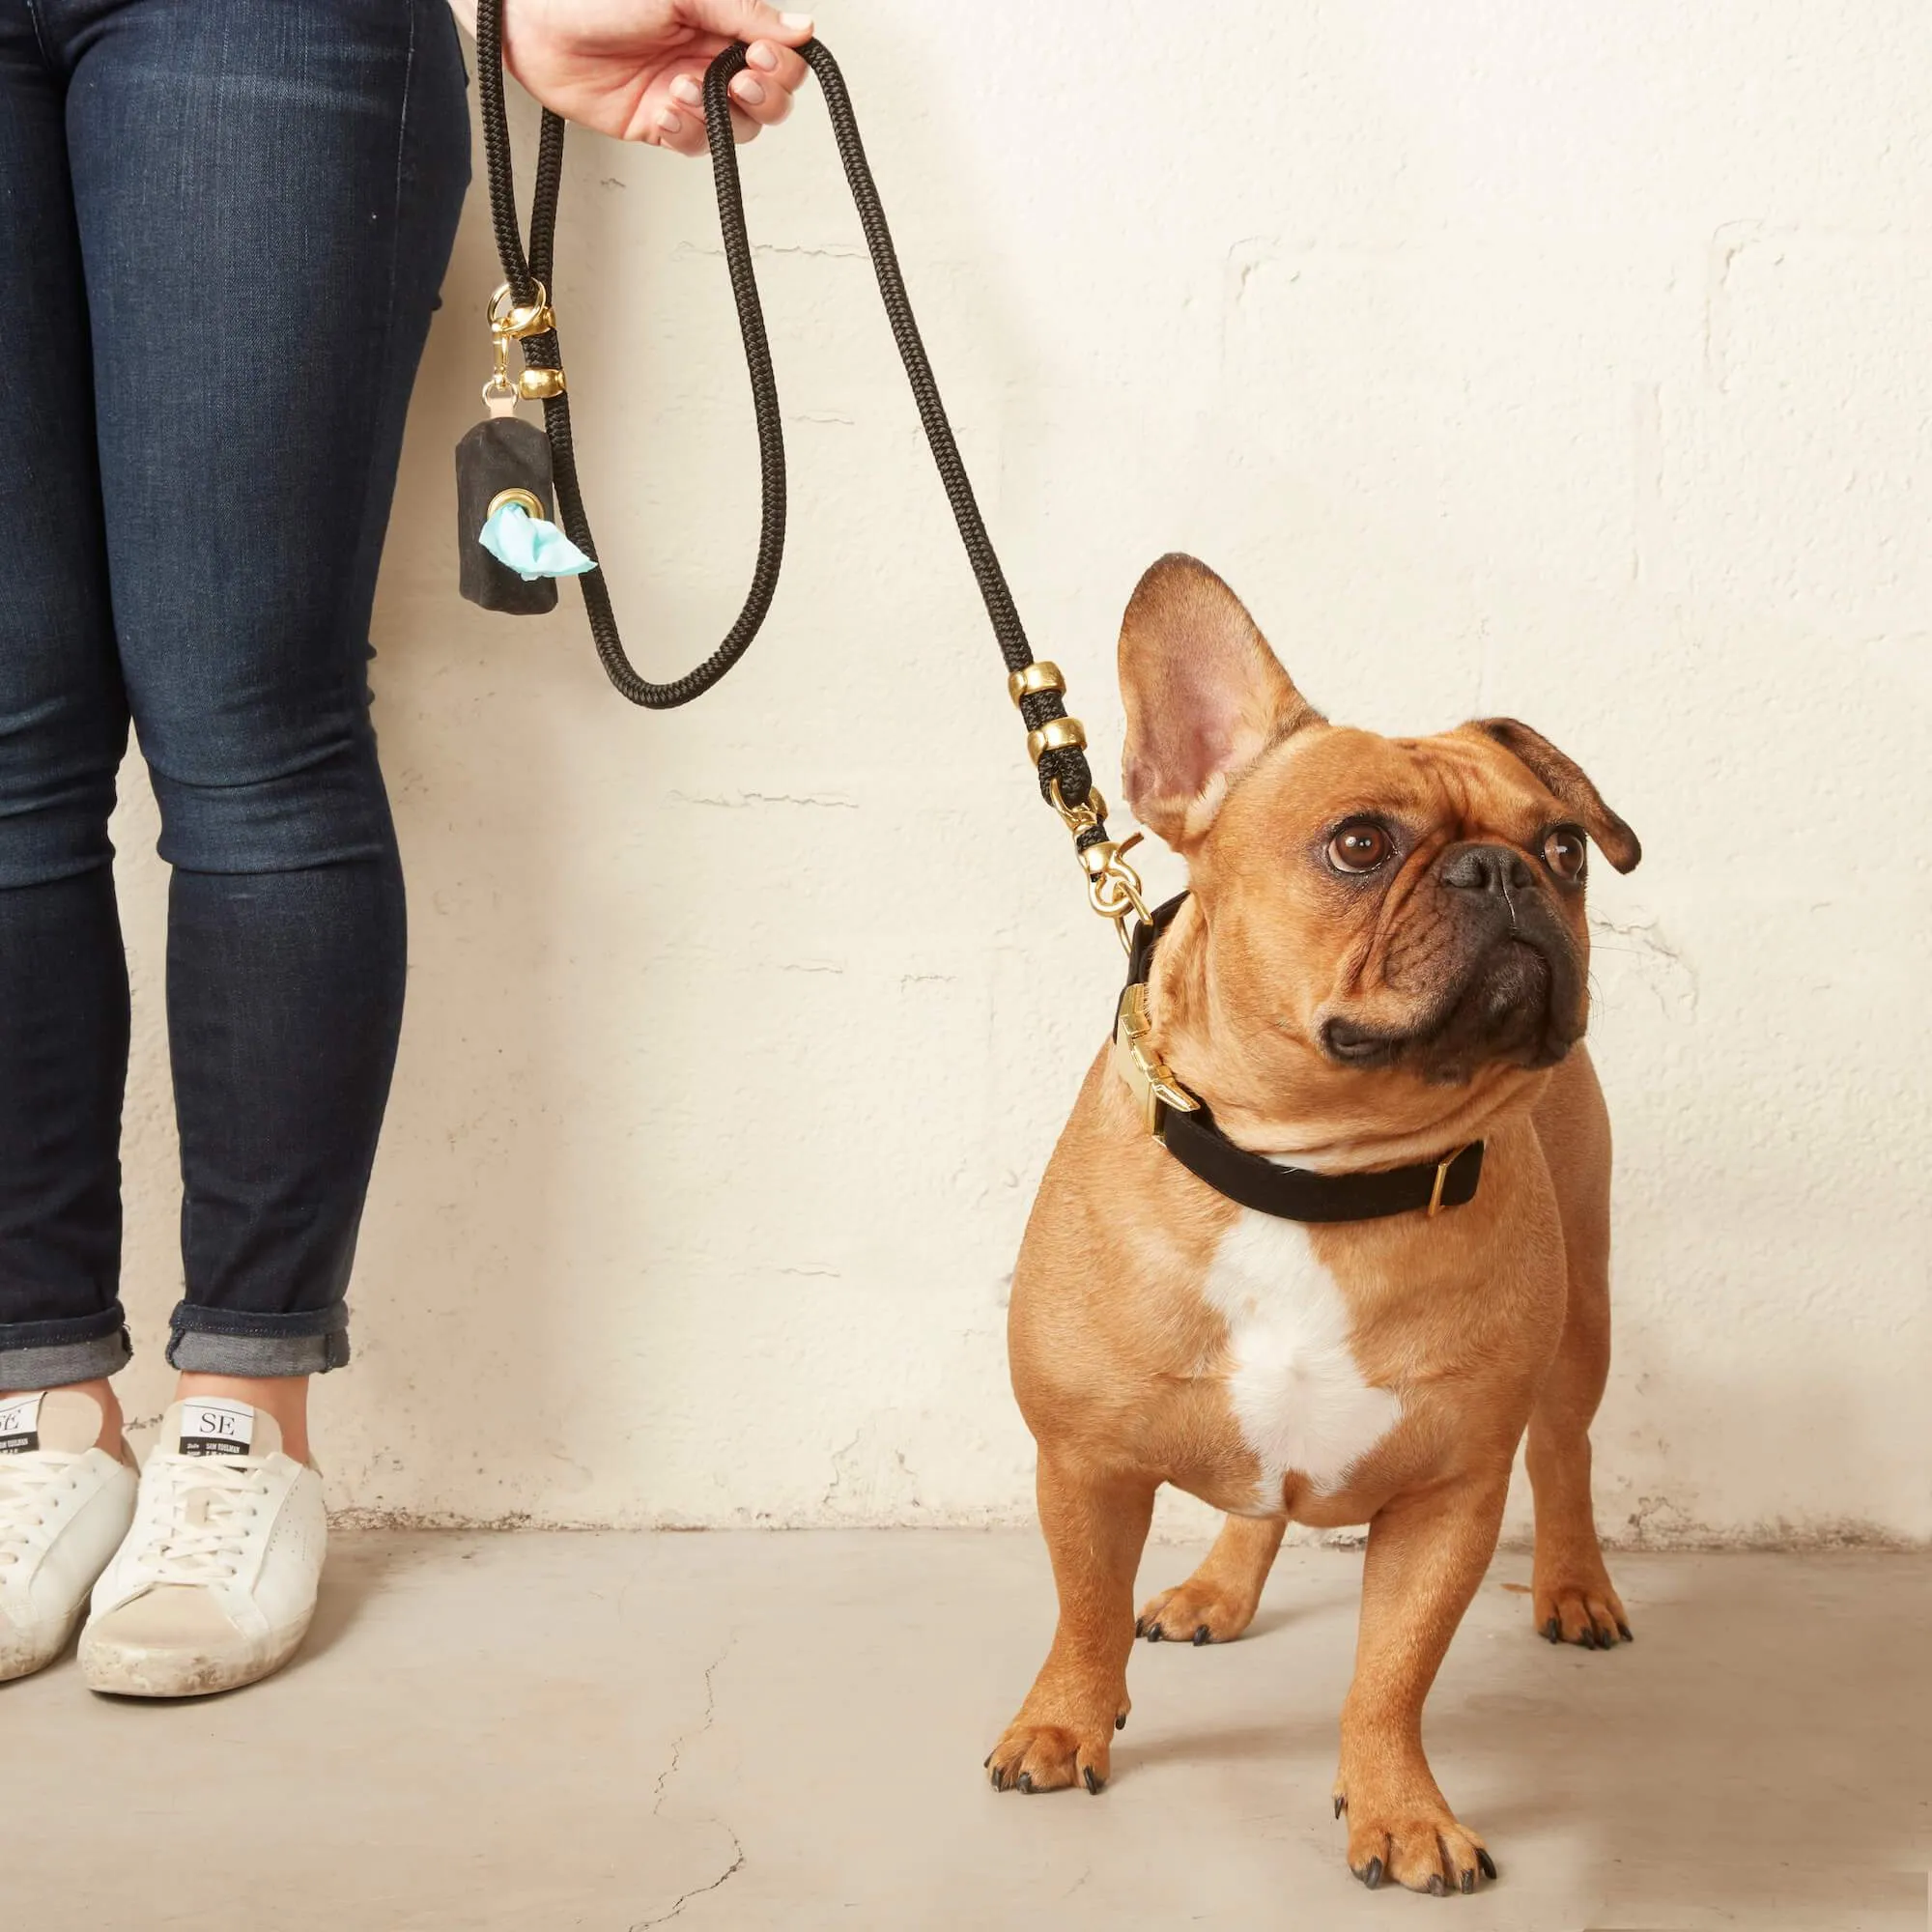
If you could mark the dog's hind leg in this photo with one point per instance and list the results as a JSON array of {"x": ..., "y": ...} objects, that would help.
[
  {"x": 1217, "y": 1603},
  {"x": 1096, "y": 1527},
  {"x": 1573, "y": 1600}
]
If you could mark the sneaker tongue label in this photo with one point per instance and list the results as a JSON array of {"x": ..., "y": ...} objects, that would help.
[
  {"x": 216, "y": 1428},
  {"x": 19, "y": 1424}
]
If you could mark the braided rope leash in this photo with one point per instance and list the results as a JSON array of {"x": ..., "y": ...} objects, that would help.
[{"x": 522, "y": 312}]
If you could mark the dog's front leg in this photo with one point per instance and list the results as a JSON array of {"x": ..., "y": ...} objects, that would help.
[
  {"x": 1096, "y": 1526},
  {"x": 1427, "y": 1554}
]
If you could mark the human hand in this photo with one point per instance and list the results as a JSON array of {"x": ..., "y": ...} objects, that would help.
[{"x": 634, "y": 69}]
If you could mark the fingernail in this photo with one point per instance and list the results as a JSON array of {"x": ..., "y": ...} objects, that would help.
[
  {"x": 795, "y": 23},
  {"x": 669, "y": 123},
  {"x": 687, "y": 90},
  {"x": 750, "y": 91},
  {"x": 763, "y": 54}
]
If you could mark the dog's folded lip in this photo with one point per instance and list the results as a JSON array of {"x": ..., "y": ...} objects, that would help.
[{"x": 1359, "y": 1045}]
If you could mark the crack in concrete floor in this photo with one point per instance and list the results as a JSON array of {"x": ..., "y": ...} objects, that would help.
[{"x": 749, "y": 1730}]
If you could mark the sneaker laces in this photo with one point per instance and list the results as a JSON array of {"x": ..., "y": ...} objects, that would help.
[
  {"x": 206, "y": 1508},
  {"x": 25, "y": 1483}
]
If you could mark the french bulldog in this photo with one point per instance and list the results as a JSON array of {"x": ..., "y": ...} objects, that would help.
[{"x": 1383, "y": 961}]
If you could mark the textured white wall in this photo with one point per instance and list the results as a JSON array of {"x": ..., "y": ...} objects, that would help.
[{"x": 1566, "y": 361}]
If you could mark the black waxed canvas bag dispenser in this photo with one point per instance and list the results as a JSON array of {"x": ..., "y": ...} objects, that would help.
[{"x": 502, "y": 455}]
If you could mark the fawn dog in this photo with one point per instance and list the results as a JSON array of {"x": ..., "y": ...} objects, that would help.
[{"x": 1363, "y": 1027}]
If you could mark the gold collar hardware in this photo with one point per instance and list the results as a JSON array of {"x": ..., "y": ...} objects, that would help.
[
  {"x": 1148, "y": 1077},
  {"x": 1442, "y": 1167}
]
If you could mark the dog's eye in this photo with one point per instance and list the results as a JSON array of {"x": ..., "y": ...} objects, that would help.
[
  {"x": 1359, "y": 847},
  {"x": 1564, "y": 851}
]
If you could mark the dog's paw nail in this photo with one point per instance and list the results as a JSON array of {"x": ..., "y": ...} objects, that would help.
[
  {"x": 1121, "y": 1721},
  {"x": 1201, "y": 1635},
  {"x": 999, "y": 1780},
  {"x": 1026, "y": 1783},
  {"x": 1437, "y": 1889},
  {"x": 1553, "y": 1630},
  {"x": 1155, "y": 1633},
  {"x": 1140, "y": 1627},
  {"x": 1469, "y": 1881},
  {"x": 1588, "y": 1639},
  {"x": 987, "y": 1760},
  {"x": 1372, "y": 1875},
  {"x": 1341, "y": 1804},
  {"x": 1092, "y": 1783},
  {"x": 1488, "y": 1863},
  {"x": 1624, "y": 1631}
]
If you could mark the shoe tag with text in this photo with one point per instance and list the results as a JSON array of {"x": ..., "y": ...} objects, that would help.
[
  {"x": 216, "y": 1428},
  {"x": 19, "y": 1424}
]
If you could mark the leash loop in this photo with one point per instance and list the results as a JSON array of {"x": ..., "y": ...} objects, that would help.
[{"x": 1056, "y": 742}]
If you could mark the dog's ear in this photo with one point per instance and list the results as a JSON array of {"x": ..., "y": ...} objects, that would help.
[
  {"x": 1204, "y": 696},
  {"x": 1565, "y": 779}
]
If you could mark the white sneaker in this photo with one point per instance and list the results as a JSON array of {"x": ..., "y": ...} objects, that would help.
[
  {"x": 64, "y": 1506},
  {"x": 215, "y": 1583}
]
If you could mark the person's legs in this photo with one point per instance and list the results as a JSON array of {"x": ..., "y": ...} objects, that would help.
[
  {"x": 266, "y": 197},
  {"x": 63, "y": 731},
  {"x": 67, "y": 1492}
]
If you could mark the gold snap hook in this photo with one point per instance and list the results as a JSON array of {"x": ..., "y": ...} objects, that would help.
[{"x": 521, "y": 319}]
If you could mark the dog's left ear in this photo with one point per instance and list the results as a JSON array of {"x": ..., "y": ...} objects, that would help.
[
  {"x": 1566, "y": 781},
  {"x": 1204, "y": 696}
]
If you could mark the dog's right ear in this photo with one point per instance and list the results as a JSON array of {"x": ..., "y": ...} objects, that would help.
[{"x": 1205, "y": 698}]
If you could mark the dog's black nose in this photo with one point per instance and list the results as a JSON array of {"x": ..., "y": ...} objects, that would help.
[{"x": 1486, "y": 869}]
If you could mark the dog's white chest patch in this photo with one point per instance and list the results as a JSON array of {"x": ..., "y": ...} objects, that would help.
[{"x": 1293, "y": 1382}]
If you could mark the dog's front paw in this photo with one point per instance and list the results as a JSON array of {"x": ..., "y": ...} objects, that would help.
[
  {"x": 1200, "y": 1611},
  {"x": 1049, "y": 1757},
  {"x": 1414, "y": 1840},
  {"x": 1582, "y": 1608}
]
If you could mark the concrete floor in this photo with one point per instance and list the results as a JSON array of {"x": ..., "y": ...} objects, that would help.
[{"x": 747, "y": 1731}]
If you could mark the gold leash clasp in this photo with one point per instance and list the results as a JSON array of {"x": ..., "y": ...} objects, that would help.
[
  {"x": 1114, "y": 888},
  {"x": 512, "y": 321}
]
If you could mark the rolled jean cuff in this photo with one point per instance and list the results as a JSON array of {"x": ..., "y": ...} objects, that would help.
[
  {"x": 231, "y": 1342},
  {"x": 49, "y": 1354}
]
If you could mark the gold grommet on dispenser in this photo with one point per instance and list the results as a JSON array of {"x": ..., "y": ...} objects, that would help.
[
  {"x": 1032, "y": 679},
  {"x": 1057, "y": 734},
  {"x": 527, "y": 500}
]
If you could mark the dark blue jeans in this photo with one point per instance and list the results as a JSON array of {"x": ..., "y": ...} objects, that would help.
[{"x": 223, "y": 224}]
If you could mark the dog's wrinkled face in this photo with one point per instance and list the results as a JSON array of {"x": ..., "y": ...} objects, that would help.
[{"x": 1404, "y": 907}]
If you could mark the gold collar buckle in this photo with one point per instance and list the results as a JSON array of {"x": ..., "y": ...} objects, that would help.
[{"x": 1148, "y": 1077}]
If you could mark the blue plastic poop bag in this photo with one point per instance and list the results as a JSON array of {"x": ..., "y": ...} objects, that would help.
[{"x": 532, "y": 547}]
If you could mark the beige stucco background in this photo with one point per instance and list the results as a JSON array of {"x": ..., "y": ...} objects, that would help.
[{"x": 1559, "y": 360}]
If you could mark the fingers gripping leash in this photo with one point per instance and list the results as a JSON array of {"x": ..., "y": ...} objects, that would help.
[{"x": 521, "y": 311}]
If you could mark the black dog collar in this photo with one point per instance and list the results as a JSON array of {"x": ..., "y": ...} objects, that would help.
[{"x": 1182, "y": 1122}]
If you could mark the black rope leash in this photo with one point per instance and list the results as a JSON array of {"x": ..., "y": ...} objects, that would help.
[{"x": 1056, "y": 741}]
